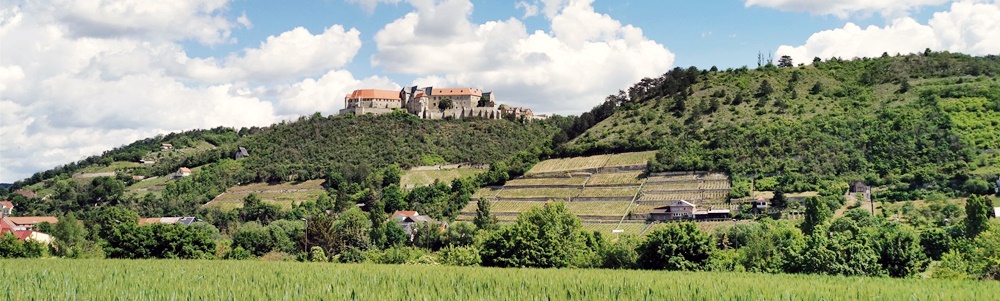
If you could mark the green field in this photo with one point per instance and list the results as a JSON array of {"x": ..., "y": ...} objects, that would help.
[
  {"x": 427, "y": 177},
  {"x": 258, "y": 280}
]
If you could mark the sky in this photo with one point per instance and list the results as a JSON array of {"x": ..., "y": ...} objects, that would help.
[{"x": 79, "y": 77}]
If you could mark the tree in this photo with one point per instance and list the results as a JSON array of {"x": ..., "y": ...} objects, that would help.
[
  {"x": 785, "y": 61},
  {"x": 446, "y": 104},
  {"x": 677, "y": 247},
  {"x": 484, "y": 219},
  {"x": 254, "y": 209},
  {"x": 765, "y": 89},
  {"x": 543, "y": 237},
  {"x": 900, "y": 253},
  {"x": 351, "y": 230},
  {"x": 69, "y": 234},
  {"x": 779, "y": 201},
  {"x": 816, "y": 88},
  {"x": 427, "y": 236},
  {"x": 816, "y": 213},
  {"x": 460, "y": 234},
  {"x": 977, "y": 210}
]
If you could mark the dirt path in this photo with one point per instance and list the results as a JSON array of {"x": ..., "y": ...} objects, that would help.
[{"x": 851, "y": 202}]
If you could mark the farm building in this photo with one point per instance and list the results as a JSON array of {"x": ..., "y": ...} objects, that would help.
[{"x": 182, "y": 172}]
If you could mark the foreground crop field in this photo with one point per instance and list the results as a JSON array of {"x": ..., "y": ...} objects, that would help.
[{"x": 257, "y": 280}]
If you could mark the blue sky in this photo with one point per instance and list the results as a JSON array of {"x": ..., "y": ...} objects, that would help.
[{"x": 78, "y": 77}]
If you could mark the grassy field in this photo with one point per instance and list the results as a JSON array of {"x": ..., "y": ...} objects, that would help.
[
  {"x": 283, "y": 195},
  {"x": 259, "y": 280},
  {"x": 427, "y": 177}
]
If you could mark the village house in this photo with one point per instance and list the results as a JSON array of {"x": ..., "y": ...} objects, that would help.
[
  {"x": 684, "y": 210},
  {"x": 166, "y": 146},
  {"x": 678, "y": 210},
  {"x": 182, "y": 172},
  {"x": 858, "y": 187},
  {"x": 242, "y": 153},
  {"x": 409, "y": 221},
  {"x": 6, "y": 208},
  {"x": 9, "y": 226},
  {"x": 22, "y": 223},
  {"x": 759, "y": 205}
]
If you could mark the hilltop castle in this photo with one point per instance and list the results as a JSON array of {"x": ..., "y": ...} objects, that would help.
[{"x": 430, "y": 103}]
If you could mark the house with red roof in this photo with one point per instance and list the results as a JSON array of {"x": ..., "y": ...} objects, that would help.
[
  {"x": 6, "y": 208},
  {"x": 20, "y": 223}
]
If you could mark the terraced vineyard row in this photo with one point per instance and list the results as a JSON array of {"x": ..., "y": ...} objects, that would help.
[
  {"x": 576, "y": 181},
  {"x": 592, "y": 162},
  {"x": 707, "y": 196},
  {"x": 619, "y": 178}
]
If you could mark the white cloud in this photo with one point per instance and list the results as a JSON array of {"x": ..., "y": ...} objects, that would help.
[
  {"x": 80, "y": 78},
  {"x": 845, "y": 8},
  {"x": 530, "y": 9},
  {"x": 584, "y": 57},
  {"x": 967, "y": 27},
  {"x": 369, "y": 5},
  {"x": 201, "y": 20}
]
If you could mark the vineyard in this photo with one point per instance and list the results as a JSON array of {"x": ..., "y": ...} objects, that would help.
[
  {"x": 413, "y": 178},
  {"x": 283, "y": 195},
  {"x": 261, "y": 280},
  {"x": 574, "y": 181},
  {"x": 592, "y": 162}
]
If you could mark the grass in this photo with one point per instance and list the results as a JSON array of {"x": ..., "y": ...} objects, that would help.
[
  {"x": 260, "y": 280},
  {"x": 113, "y": 167},
  {"x": 632, "y": 177},
  {"x": 427, "y": 177},
  {"x": 283, "y": 195}
]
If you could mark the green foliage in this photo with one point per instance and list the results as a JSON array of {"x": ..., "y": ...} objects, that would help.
[
  {"x": 977, "y": 210},
  {"x": 544, "y": 237},
  {"x": 238, "y": 253},
  {"x": 11, "y": 247},
  {"x": 484, "y": 219},
  {"x": 316, "y": 254},
  {"x": 621, "y": 254},
  {"x": 460, "y": 256},
  {"x": 816, "y": 213},
  {"x": 679, "y": 246}
]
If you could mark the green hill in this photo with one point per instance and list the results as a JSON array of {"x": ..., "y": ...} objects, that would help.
[
  {"x": 928, "y": 121},
  {"x": 309, "y": 148}
]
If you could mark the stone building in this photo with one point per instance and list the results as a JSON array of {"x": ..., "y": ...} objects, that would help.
[{"x": 424, "y": 102}]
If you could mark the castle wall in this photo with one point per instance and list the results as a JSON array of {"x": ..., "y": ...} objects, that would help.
[{"x": 364, "y": 110}]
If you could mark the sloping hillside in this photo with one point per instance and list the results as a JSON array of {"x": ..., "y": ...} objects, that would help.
[{"x": 921, "y": 121}]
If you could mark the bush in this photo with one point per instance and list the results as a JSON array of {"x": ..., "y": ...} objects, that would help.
[
  {"x": 679, "y": 246},
  {"x": 460, "y": 256},
  {"x": 239, "y": 253}
]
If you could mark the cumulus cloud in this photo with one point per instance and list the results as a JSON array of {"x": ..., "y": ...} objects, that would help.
[
  {"x": 585, "y": 56},
  {"x": 967, "y": 27},
  {"x": 78, "y": 78},
  {"x": 845, "y": 8}
]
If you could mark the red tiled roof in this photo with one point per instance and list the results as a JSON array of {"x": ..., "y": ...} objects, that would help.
[
  {"x": 185, "y": 169},
  {"x": 31, "y": 220},
  {"x": 405, "y": 213},
  {"x": 26, "y": 193},
  {"x": 23, "y": 234},
  {"x": 6, "y": 204},
  {"x": 6, "y": 226},
  {"x": 374, "y": 94}
]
